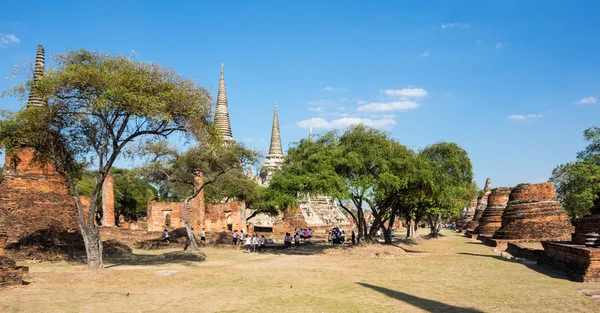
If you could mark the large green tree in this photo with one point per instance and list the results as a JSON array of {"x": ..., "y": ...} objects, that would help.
[
  {"x": 578, "y": 183},
  {"x": 209, "y": 160},
  {"x": 361, "y": 165},
  {"x": 97, "y": 105},
  {"x": 452, "y": 187}
]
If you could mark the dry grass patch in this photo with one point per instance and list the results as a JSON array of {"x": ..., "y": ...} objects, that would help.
[
  {"x": 451, "y": 274},
  {"x": 374, "y": 250}
]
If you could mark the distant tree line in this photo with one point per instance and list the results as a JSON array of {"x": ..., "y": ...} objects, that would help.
[{"x": 376, "y": 173}]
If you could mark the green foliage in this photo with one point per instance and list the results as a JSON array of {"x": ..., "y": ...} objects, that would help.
[
  {"x": 578, "y": 183},
  {"x": 376, "y": 173},
  {"x": 220, "y": 165},
  {"x": 98, "y": 104},
  {"x": 453, "y": 177},
  {"x": 131, "y": 192}
]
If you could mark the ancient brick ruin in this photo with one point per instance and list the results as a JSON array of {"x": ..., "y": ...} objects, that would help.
[
  {"x": 108, "y": 202},
  {"x": 169, "y": 215},
  {"x": 534, "y": 212},
  {"x": 580, "y": 262},
  {"x": 491, "y": 219},
  {"x": 468, "y": 214},
  {"x": 37, "y": 209},
  {"x": 481, "y": 206}
]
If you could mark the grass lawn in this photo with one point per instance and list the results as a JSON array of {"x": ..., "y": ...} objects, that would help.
[{"x": 451, "y": 274}]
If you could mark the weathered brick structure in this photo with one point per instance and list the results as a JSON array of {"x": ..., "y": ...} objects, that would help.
[
  {"x": 108, "y": 202},
  {"x": 10, "y": 273},
  {"x": 481, "y": 206},
  {"x": 169, "y": 215},
  {"x": 35, "y": 203},
  {"x": 225, "y": 216},
  {"x": 588, "y": 224},
  {"x": 491, "y": 220},
  {"x": 468, "y": 214},
  {"x": 580, "y": 262},
  {"x": 534, "y": 212}
]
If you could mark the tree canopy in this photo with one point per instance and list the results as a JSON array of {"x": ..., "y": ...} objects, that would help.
[
  {"x": 96, "y": 106},
  {"x": 376, "y": 173},
  {"x": 578, "y": 183},
  {"x": 195, "y": 169}
]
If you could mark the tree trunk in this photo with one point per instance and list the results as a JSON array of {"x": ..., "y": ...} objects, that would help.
[
  {"x": 93, "y": 246},
  {"x": 411, "y": 232},
  {"x": 387, "y": 238},
  {"x": 188, "y": 229},
  {"x": 89, "y": 231},
  {"x": 435, "y": 225},
  {"x": 391, "y": 222}
]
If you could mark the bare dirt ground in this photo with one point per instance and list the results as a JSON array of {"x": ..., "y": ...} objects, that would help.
[{"x": 451, "y": 274}]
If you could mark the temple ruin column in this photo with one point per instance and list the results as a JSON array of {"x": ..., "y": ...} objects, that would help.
[
  {"x": 197, "y": 208},
  {"x": 108, "y": 202}
]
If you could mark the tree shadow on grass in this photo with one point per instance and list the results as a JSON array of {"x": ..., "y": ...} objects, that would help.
[
  {"x": 532, "y": 265},
  {"x": 185, "y": 258},
  {"x": 422, "y": 303}
]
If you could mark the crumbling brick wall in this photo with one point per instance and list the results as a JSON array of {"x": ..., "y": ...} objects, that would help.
[
  {"x": 218, "y": 216},
  {"x": 34, "y": 201}
]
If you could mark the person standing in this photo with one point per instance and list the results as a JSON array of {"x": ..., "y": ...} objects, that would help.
[
  {"x": 353, "y": 237},
  {"x": 297, "y": 240},
  {"x": 248, "y": 244},
  {"x": 255, "y": 242},
  {"x": 235, "y": 238},
  {"x": 241, "y": 236},
  {"x": 203, "y": 236},
  {"x": 263, "y": 242},
  {"x": 166, "y": 234},
  {"x": 287, "y": 240}
]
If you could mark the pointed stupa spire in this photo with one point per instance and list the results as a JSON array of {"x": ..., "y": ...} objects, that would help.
[
  {"x": 34, "y": 99},
  {"x": 222, "y": 111},
  {"x": 310, "y": 132},
  {"x": 275, "y": 148},
  {"x": 488, "y": 184}
]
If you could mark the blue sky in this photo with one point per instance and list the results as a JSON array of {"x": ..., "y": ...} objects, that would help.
[{"x": 513, "y": 82}]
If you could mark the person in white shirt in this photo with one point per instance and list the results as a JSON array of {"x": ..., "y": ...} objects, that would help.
[
  {"x": 297, "y": 240},
  {"x": 166, "y": 233},
  {"x": 241, "y": 236},
  {"x": 248, "y": 244},
  {"x": 255, "y": 243},
  {"x": 203, "y": 236}
]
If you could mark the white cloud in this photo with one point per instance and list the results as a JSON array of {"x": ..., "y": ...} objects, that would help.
[
  {"x": 500, "y": 45},
  {"x": 517, "y": 117},
  {"x": 425, "y": 54},
  {"x": 587, "y": 100},
  {"x": 521, "y": 117},
  {"x": 450, "y": 25},
  {"x": 334, "y": 89},
  {"x": 6, "y": 39},
  {"x": 406, "y": 92},
  {"x": 388, "y": 106},
  {"x": 320, "y": 102},
  {"x": 344, "y": 122},
  {"x": 317, "y": 109}
]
